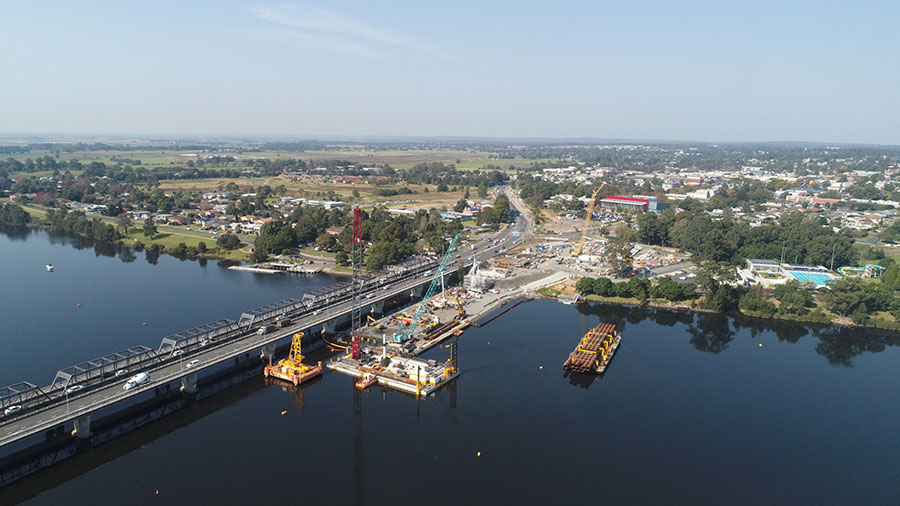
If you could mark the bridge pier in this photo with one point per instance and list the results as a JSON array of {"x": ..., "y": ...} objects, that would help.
[
  {"x": 330, "y": 326},
  {"x": 83, "y": 427},
  {"x": 189, "y": 383},
  {"x": 268, "y": 352},
  {"x": 418, "y": 291},
  {"x": 378, "y": 307}
]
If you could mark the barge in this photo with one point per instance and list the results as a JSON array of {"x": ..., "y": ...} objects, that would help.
[
  {"x": 595, "y": 350},
  {"x": 411, "y": 375}
]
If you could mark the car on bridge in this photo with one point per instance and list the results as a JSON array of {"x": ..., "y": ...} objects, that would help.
[
  {"x": 12, "y": 410},
  {"x": 192, "y": 364},
  {"x": 74, "y": 389}
]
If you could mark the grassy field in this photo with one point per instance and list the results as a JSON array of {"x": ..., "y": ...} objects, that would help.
[
  {"x": 312, "y": 252},
  {"x": 367, "y": 193},
  {"x": 399, "y": 159}
]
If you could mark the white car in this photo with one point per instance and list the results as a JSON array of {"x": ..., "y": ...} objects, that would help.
[
  {"x": 12, "y": 410},
  {"x": 121, "y": 372},
  {"x": 192, "y": 363},
  {"x": 177, "y": 353},
  {"x": 74, "y": 388}
]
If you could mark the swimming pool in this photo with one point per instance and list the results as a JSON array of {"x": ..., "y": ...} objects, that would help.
[{"x": 819, "y": 278}]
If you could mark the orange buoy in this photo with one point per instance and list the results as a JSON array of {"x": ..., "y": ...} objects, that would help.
[
  {"x": 78, "y": 305},
  {"x": 144, "y": 324}
]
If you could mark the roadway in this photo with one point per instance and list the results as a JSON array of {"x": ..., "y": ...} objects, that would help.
[{"x": 65, "y": 408}]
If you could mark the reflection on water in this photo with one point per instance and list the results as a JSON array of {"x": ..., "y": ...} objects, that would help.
[{"x": 712, "y": 333}]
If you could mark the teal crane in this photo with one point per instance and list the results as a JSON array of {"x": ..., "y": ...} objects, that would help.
[{"x": 406, "y": 333}]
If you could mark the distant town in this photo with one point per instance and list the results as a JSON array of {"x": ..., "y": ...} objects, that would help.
[{"x": 731, "y": 225}]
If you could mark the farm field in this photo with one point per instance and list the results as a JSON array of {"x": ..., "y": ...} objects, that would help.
[
  {"x": 313, "y": 190},
  {"x": 399, "y": 159}
]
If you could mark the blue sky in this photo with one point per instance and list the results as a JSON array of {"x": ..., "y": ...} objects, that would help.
[{"x": 709, "y": 71}]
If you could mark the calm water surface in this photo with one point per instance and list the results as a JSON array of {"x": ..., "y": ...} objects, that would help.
[{"x": 691, "y": 411}]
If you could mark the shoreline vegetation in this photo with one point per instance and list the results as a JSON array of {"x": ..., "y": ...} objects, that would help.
[
  {"x": 844, "y": 305},
  {"x": 110, "y": 235}
]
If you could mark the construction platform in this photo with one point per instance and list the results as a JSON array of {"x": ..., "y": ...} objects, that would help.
[
  {"x": 595, "y": 350},
  {"x": 292, "y": 369},
  {"x": 295, "y": 374},
  {"x": 411, "y": 375}
]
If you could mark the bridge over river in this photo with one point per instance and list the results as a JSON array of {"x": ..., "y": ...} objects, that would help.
[{"x": 97, "y": 386}]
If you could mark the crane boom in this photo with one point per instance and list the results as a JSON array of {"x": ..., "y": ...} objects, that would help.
[
  {"x": 405, "y": 334},
  {"x": 587, "y": 221}
]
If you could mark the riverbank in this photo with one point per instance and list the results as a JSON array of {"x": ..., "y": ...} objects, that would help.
[
  {"x": 181, "y": 244},
  {"x": 818, "y": 315}
]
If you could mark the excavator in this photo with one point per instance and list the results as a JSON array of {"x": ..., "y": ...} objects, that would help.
[
  {"x": 374, "y": 322},
  {"x": 460, "y": 312}
]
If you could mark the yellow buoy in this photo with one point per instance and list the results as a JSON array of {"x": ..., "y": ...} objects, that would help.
[
  {"x": 760, "y": 345},
  {"x": 541, "y": 368},
  {"x": 478, "y": 454},
  {"x": 283, "y": 412}
]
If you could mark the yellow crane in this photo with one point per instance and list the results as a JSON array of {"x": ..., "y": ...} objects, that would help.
[
  {"x": 587, "y": 221},
  {"x": 292, "y": 368}
]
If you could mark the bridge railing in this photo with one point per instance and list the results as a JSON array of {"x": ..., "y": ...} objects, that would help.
[
  {"x": 96, "y": 370},
  {"x": 196, "y": 337}
]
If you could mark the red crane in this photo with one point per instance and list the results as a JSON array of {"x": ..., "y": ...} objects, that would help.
[{"x": 356, "y": 257}]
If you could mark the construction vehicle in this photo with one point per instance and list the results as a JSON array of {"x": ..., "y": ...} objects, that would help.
[
  {"x": 587, "y": 221},
  {"x": 374, "y": 322},
  {"x": 460, "y": 312},
  {"x": 293, "y": 369},
  {"x": 404, "y": 334}
]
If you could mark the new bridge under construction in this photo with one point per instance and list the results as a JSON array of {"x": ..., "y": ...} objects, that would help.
[{"x": 96, "y": 392}]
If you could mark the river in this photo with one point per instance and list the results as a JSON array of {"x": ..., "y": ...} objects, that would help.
[{"x": 694, "y": 409}]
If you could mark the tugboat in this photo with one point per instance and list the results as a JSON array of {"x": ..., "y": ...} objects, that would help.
[
  {"x": 366, "y": 381},
  {"x": 49, "y": 267}
]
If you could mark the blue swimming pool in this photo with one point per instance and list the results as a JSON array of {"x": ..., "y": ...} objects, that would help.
[{"x": 819, "y": 278}]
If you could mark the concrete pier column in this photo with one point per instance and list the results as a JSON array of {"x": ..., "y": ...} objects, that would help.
[
  {"x": 418, "y": 291},
  {"x": 83, "y": 427},
  {"x": 378, "y": 307},
  {"x": 189, "y": 383},
  {"x": 330, "y": 326},
  {"x": 267, "y": 352}
]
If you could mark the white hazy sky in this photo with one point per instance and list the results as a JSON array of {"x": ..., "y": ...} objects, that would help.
[{"x": 715, "y": 71}]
